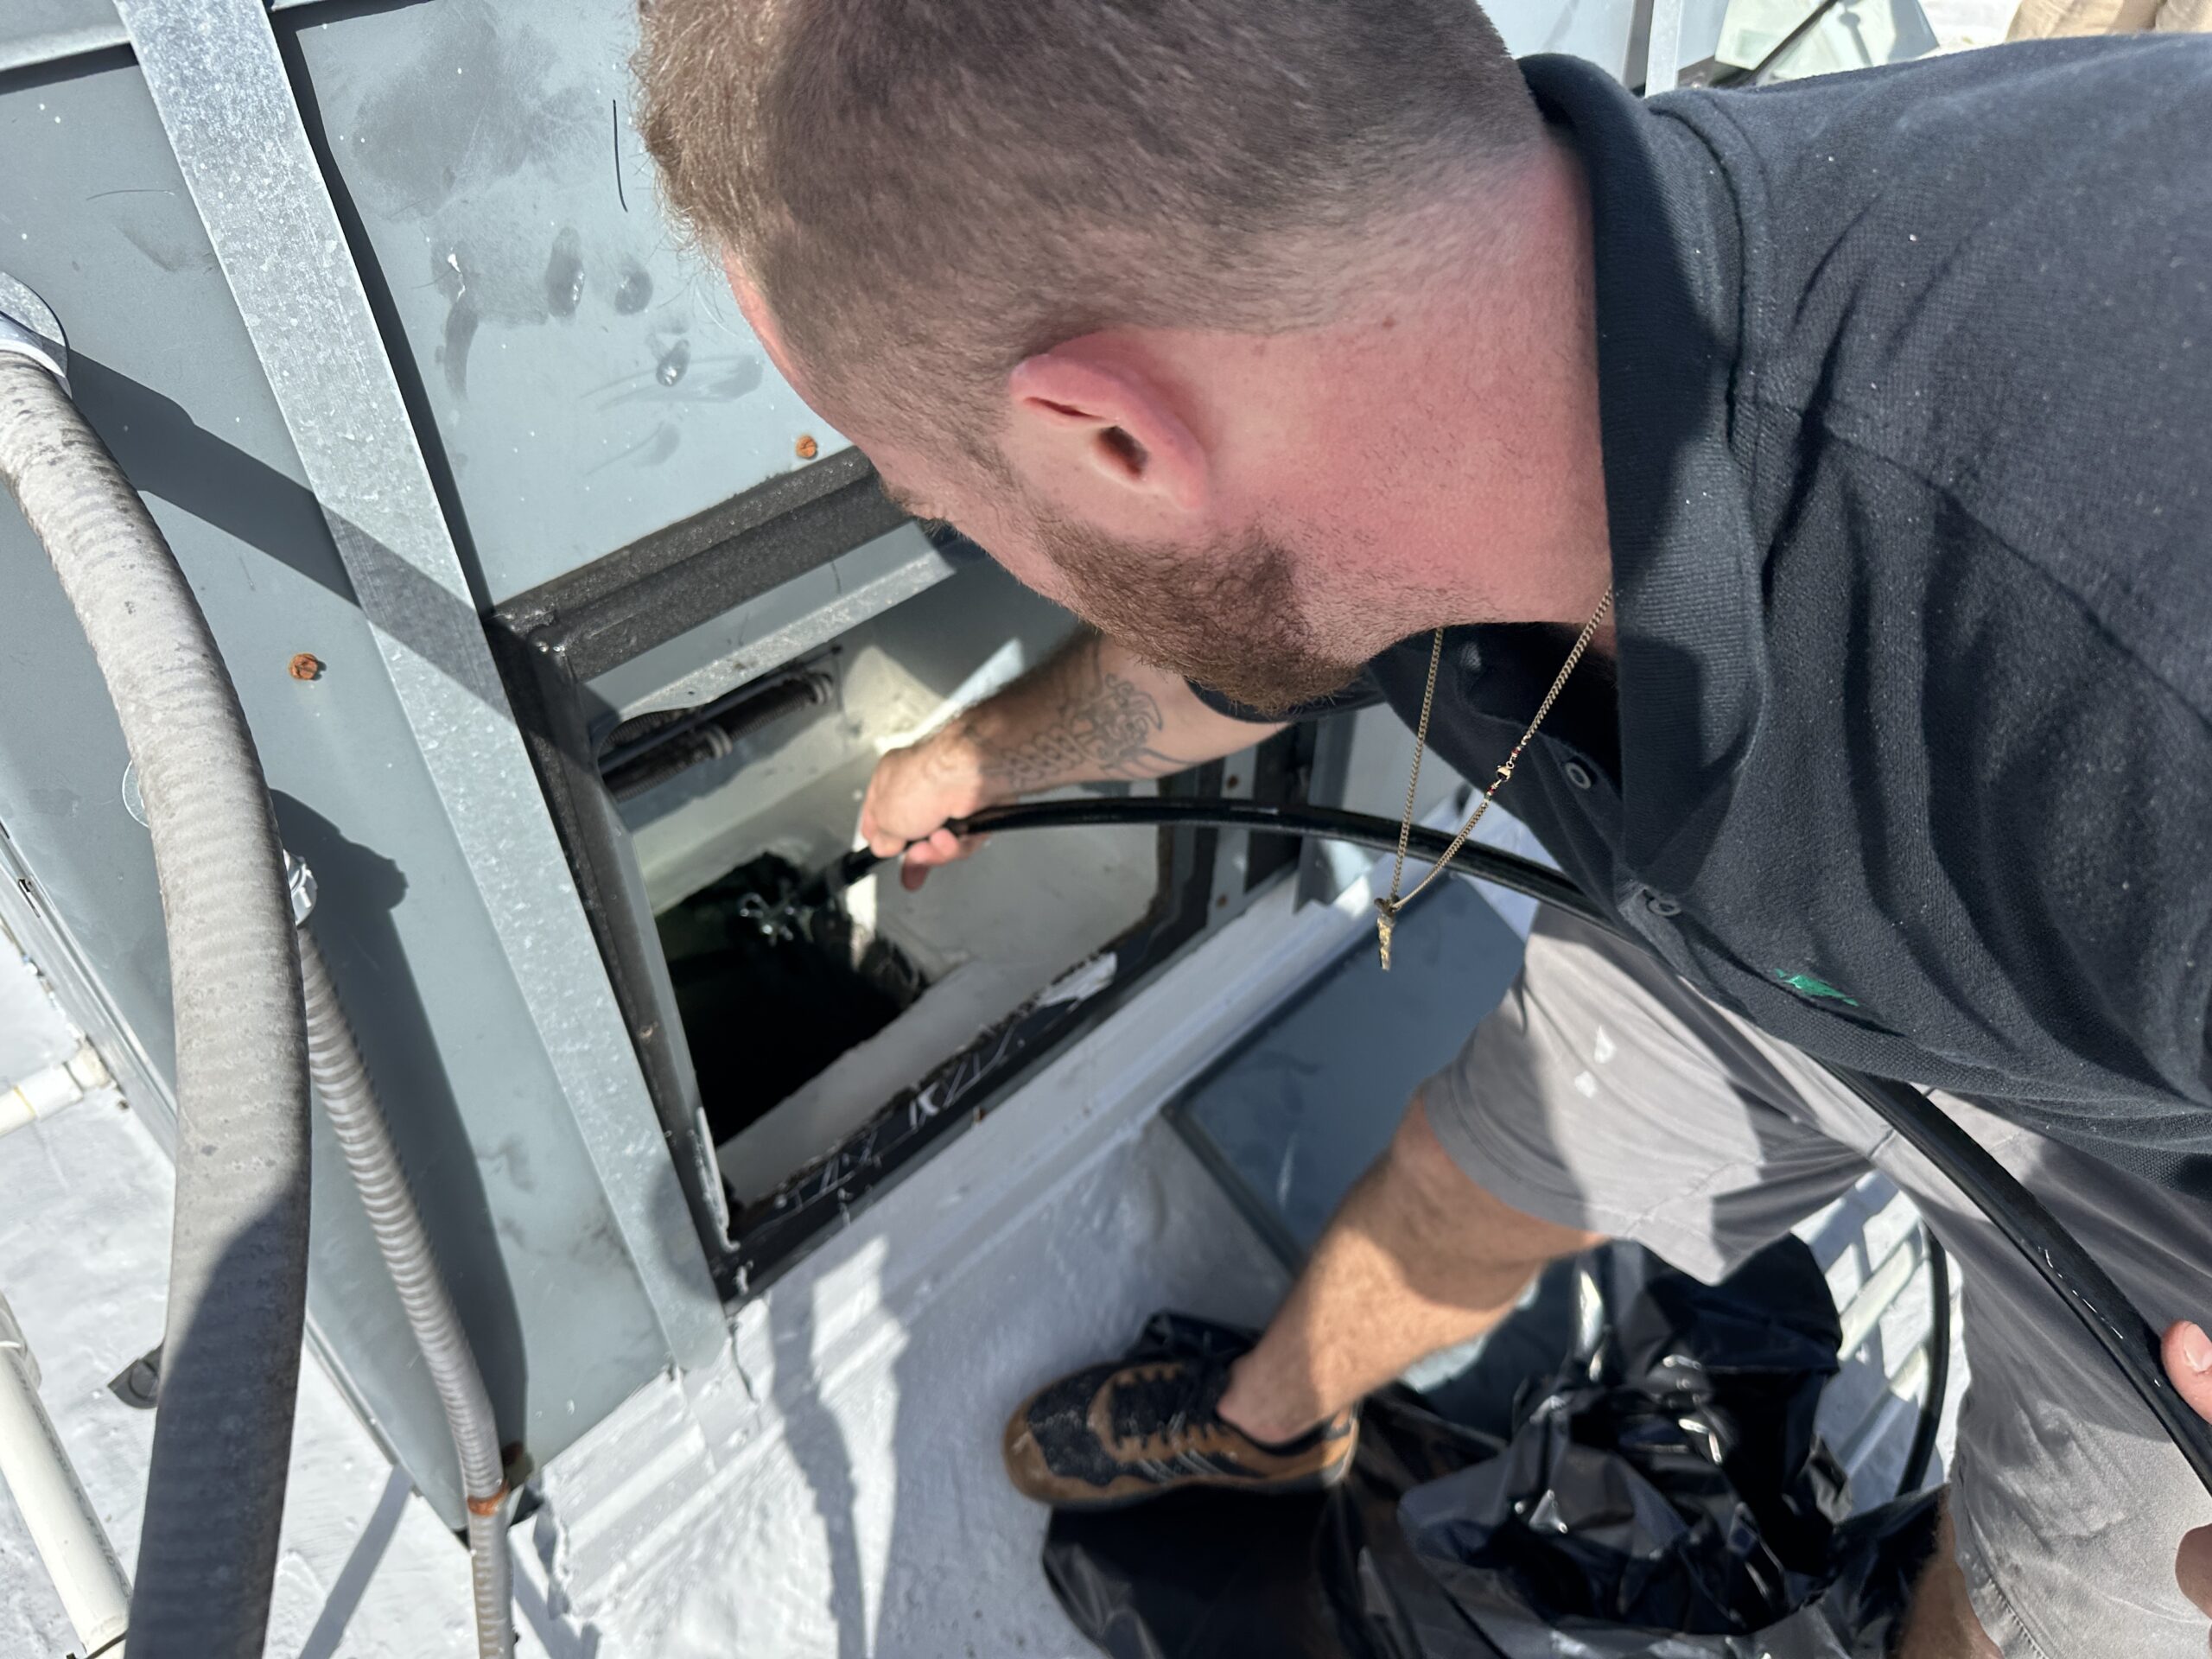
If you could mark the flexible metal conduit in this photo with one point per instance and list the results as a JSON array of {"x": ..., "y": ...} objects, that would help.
[
  {"x": 349, "y": 1100},
  {"x": 239, "y": 1250}
]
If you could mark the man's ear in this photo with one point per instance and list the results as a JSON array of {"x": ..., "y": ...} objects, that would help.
[{"x": 1106, "y": 425}]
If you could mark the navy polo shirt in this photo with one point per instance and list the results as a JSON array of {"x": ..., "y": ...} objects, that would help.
[{"x": 1905, "y": 381}]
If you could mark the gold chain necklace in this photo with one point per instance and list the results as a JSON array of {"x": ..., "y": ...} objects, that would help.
[{"x": 1386, "y": 910}]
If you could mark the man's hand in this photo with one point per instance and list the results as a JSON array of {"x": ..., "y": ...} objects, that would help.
[
  {"x": 914, "y": 791},
  {"x": 1093, "y": 712},
  {"x": 2189, "y": 1366}
]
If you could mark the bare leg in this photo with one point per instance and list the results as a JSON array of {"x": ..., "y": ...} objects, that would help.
[
  {"x": 1418, "y": 1257},
  {"x": 1942, "y": 1623}
]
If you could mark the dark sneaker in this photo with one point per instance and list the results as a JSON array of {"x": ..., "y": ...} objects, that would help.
[{"x": 1126, "y": 1431}]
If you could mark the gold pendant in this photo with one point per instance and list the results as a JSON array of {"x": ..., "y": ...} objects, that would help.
[{"x": 1385, "y": 919}]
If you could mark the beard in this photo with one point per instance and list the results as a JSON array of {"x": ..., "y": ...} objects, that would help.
[{"x": 1227, "y": 617}]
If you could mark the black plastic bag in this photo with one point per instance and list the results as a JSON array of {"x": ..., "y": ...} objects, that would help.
[{"x": 1662, "y": 1495}]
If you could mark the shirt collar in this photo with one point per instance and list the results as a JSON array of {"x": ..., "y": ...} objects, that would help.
[{"x": 1687, "y": 570}]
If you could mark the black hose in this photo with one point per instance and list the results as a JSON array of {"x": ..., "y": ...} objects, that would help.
[
  {"x": 2103, "y": 1309},
  {"x": 2089, "y": 1292},
  {"x": 1923, "y": 1450},
  {"x": 1522, "y": 875}
]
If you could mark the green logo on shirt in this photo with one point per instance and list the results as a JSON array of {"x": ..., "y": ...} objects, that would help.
[{"x": 1806, "y": 985}]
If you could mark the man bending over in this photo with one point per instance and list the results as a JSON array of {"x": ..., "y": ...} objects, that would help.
[{"x": 1863, "y": 425}]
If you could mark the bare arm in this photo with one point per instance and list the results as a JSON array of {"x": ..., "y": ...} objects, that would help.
[{"x": 1094, "y": 712}]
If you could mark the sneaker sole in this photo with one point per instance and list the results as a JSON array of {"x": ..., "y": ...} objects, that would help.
[{"x": 1026, "y": 1469}]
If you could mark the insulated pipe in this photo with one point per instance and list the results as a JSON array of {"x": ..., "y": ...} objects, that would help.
[
  {"x": 239, "y": 1246},
  {"x": 708, "y": 734},
  {"x": 349, "y": 1100},
  {"x": 67, "y": 1534}
]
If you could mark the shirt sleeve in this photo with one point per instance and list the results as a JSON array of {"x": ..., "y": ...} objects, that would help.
[{"x": 1362, "y": 693}]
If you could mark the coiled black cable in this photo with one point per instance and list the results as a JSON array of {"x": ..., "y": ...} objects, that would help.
[{"x": 2113, "y": 1321}]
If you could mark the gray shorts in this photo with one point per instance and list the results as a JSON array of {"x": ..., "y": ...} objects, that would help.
[{"x": 1605, "y": 1094}]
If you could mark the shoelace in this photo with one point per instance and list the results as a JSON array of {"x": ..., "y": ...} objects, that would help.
[{"x": 1157, "y": 1411}]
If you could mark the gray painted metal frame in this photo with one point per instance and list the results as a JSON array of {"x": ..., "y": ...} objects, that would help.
[
  {"x": 552, "y": 1290},
  {"x": 1662, "y": 52},
  {"x": 215, "y": 76}
]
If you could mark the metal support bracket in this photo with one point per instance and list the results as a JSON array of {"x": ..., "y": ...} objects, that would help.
[
  {"x": 1662, "y": 56},
  {"x": 220, "y": 86}
]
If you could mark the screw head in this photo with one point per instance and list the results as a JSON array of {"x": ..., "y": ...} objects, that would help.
[
  {"x": 806, "y": 447},
  {"x": 305, "y": 665}
]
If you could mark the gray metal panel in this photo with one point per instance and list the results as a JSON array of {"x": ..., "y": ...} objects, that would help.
[
  {"x": 1312, "y": 1098},
  {"x": 48, "y": 31},
  {"x": 38, "y": 31},
  {"x": 212, "y": 68},
  {"x": 51, "y": 766},
  {"x": 165, "y": 370},
  {"x": 590, "y": 383}
]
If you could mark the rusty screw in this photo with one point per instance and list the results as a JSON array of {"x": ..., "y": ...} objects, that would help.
[
  {"x": 306, "y": 665},
  {"x": 807, "y": 448}
]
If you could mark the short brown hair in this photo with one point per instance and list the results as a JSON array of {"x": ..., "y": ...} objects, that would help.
[{"x": 927, "y": 191}]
